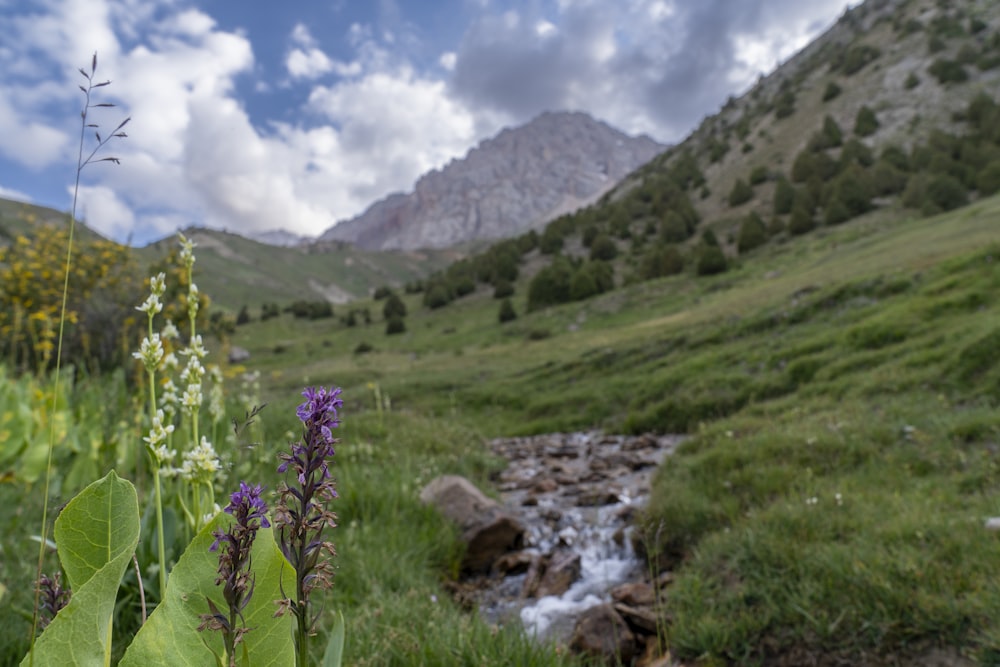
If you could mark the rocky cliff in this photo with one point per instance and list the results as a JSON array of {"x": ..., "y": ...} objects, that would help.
[{"x": 519, "y": 179}]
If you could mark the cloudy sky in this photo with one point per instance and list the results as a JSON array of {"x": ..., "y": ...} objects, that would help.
[{"x": 256, "y": 115}]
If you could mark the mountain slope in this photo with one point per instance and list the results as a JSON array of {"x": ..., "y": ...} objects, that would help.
[{"x": 517, "y": 180}]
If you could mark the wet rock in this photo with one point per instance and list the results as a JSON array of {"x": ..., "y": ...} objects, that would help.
[
  {"x": 639, "y": 619},
  {"x": 601, "y": 633},
  {"x": 562, "y": 571},
  {"x": 638, "y": 594},
  {"x": 487, "y": 530},
  {"x": 597, "y": 496},
  {"x": 517, "y": 562},
  {"x": 547, "y": 485}
]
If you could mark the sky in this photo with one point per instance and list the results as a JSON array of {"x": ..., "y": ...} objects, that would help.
[{"x": 253, "y": 116}]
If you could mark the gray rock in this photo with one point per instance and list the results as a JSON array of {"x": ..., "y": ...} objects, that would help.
[
  {"x": 601, "y": 633},
  {"x": 237, "y": 355},
  {"x": 518, "y": 180},
  {"x": 487, "y": 530}
]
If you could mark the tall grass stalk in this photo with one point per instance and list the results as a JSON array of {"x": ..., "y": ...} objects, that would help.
[{"x": 81, "y": 162}]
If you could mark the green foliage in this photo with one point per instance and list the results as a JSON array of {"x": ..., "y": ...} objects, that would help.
[
  {"x": 661, "y": 260},
  {"x": 934, "y": 193},
  {"x": 752, "y": 234},
  {"x": 758, "y": 175},
  {"x": 830, "y": 136},
  {"x": 741, "y": 193},
  {"x": 395, "y": 324},
  {"x": 801, "y": 221},
  {"x": 885, "y": 179},
  {"x": 507, "y": 312},
  {"x": 988, "y": 182},
  {"x": 269, "y": 311},
  {"x": 503, "y": 288},
  {"x": 312, "y": 310},
  {"x": 810, "y": 164},
  {"x": 394, "y": 307},
  {"x": 831, "y": 91},
  {"x": 96, "y": 533},
  {"x": 590, "y": 279},
  {"x": 382, "y": 292},
  {"x": 912, "y": 81},
  {"x": 836, "y": 212},
  {"x": 851, "y": 190},
  {"x": 603, "y": 248},
  {"x": 551, "y": 285},
  {"x": 243, "y": 317},
  {"x": 784, "y": 105},
  {"x": 711, "y": 260},
  {"x": 865, "y": 123},
  {"x": 854, "y": 58},
  {"x": 717, "y": 150},
  {"x": 784, "y": 197},
  {"x": 948, "y": 71},
  {"x": 171, "y": 636}
]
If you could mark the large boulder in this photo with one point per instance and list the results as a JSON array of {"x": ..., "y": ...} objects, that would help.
[
  {"x": 601, "y": 633},
  {"x": 487, "y": 530}
]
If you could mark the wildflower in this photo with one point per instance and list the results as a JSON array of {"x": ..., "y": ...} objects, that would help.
[
  {"x": 170, "y": 331},
  {"x": 158, "y": 432},
  {"x": 169, "y": 400},
  {"x": 170, "y": 362},
  {"x": 234, "y": 545},
  {"x": 201, "y": 463},
  {"x": 193, "y": 371},
  {"x": 158, "y": 284},
  {"x": 300, "y": 514},
  {"x": 192, "y": 301},
  {"x": 52, "y": 598},
  {"x": 191, "y": 400},
  {"x": 151, "y": 306},
  {"x": 187, "y": 250},
  {"x": 150, "y": 352},
  {"x": 195, "y": 348}
]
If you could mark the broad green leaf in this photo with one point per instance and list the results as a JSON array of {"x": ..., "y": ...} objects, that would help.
[
  {"x": 170, "y": 635},
  {"x": 334, "y": 654},
  {"x": 96, "y": 534}
]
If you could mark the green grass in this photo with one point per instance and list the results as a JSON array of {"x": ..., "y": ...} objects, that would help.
[{"x": 860, "y": 361}]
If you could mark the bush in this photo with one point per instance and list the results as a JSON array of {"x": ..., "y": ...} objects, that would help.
[
  {"x": 550, "y": 286},
  {"x": 948, "y": 71},
  {"x": 363, "y": 348},
  {"x": 784, "y": 106},
  {"x": 711, "y": 260},
  {"x": 934, "y": 193},
  {"x": 988, "y": 181},
  {"x": 603, "y": 248},
  {"x": 865, "y": 123},
  {"x": 851, "y": 190},
  {"x": 590, "y": 279},
  {"x": 382, "y": 292},
  {"x": 911, "y": 82},
  {"x": 784, "y": 197},
  {"x": 660, "y": 261},
  {"x": 243, "y": 317},
  {"x": 885, "y": 179},
  {"x": 551, "y": 241},
  {"x": 674, "y": 229},
  {"x": 801, "y": 221},
  {"x": 836, "y": 213},
  {"x": 268, "y": 311},
  {"x": 831, "y": 136},
  {"x": 857, "y": 57},
  {"x": 393, "y": 308},
  {"x": 395, "y": 325},
  {"x": 832, "y": 91},
  {"x": 507, "y": 312},
  {"x": 502, "y": 289},
  {"x": 752, "y": 234},
  {"x": 741, "y": 193},
  {"x": 758, "y": 175},
  {"x": 436, "y": 296}
]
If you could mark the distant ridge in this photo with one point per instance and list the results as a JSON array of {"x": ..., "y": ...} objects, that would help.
[{"x": 519, "y": 179}]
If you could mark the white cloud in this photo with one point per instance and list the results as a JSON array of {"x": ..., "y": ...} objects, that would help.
[
  {"x": 447, "y": 60},
  {"x": 105, "y": 212},
  {"x": 30, "y": 142},
  {"x": 10, "y": 193},
  {"x": 309, "y": 64}
]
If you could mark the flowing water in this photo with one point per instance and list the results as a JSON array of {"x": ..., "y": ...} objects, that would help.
[{"x": 575, "y": 494}]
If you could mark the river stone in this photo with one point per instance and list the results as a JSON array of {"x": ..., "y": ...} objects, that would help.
[
  {"x": 640, "y": 619},
  {"x": 237, "y": 355},
  {"x": 487, "y": 530},
  {"x": 600, "y": 632},
  {"x": 563, "y": 570},
  {"x": 638, "y": 594}
]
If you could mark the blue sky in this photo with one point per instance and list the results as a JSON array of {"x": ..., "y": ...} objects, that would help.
[{"x": 252, "y": 116}]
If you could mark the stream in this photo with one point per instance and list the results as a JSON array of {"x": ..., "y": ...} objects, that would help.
[{"x": 575, "y": 493}]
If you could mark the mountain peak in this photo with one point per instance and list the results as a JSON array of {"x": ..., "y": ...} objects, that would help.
[{"x": 518, "y": 179}]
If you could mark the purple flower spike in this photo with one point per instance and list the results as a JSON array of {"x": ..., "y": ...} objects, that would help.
[{"x": 300, "y": 514}]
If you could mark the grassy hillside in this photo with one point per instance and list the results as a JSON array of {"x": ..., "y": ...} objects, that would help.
[
  {"x": 237, "y": 271},
  {"x": 841, "y": 390}
]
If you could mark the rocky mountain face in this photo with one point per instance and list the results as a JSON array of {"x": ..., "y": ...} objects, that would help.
[{"x": 517, "y": 180}]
